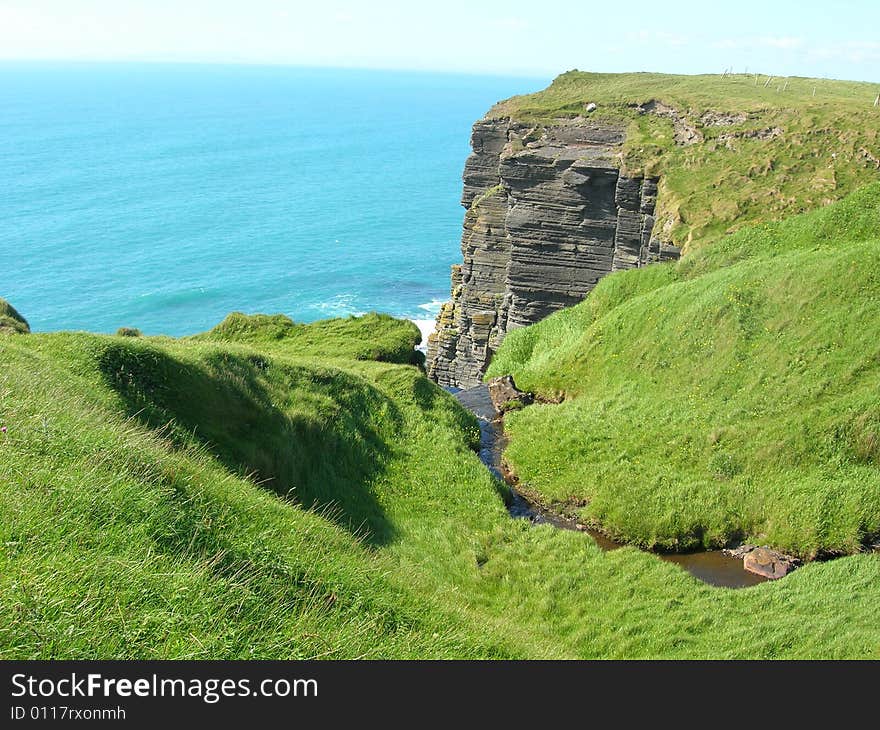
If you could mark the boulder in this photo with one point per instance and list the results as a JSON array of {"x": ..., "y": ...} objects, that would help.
[
  {"x": 769, "y": 563},
  {"x": 504, "y": 393}
]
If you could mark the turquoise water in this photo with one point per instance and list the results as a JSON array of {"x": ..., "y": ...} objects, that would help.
[{"x": 163, "y": 197}]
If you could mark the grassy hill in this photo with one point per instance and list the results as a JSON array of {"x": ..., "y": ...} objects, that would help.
[
  {"x": 756, "y": 151},
  {"x": 270, "y": 489},
  {"x": 257, "y": 491},
  {"x": 732, "y": 395}
]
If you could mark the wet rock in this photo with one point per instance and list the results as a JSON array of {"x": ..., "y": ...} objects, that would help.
[
  {"x": 769, "y": 563},
  {"x": 741, "y": 551},
  {"x": 504, "y": 393}
]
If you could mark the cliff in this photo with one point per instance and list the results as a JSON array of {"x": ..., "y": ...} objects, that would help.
[
  {"x": 549, "y": 213},
  {"x": 601, "y": 172}
]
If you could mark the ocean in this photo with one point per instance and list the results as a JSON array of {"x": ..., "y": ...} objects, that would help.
[{"x": 164, "y": 197}]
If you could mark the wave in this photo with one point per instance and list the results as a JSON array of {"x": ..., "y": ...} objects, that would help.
[
  {"x": 433, "y": 307},
  {"x": 341, "y": 305},
  {"x": 426, "y": 327}
]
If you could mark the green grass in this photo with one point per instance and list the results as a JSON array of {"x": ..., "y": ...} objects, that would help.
[
  {"x": 260, "y": 491},
  {"x": 730, "y": 396},
  {"x": 829, "y": 145},
  {"x": 370, "y": 337},
  {"x": 271, "y": 489}
]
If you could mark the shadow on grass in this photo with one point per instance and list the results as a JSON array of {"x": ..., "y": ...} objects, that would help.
[{"x": 315, "y": 435}]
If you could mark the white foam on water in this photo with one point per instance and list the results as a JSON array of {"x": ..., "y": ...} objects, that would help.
[
  {"x": 341, "y": 305},
  {"x": 426, "y": 327},
  {"x": 433, "y": 306}
]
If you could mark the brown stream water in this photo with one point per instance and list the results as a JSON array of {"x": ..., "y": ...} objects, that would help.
[{"x": 714, "y": 567}]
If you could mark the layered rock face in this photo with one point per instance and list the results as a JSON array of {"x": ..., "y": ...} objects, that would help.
[{"x": 548, "y": 215}]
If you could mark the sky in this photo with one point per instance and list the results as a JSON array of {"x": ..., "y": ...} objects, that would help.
[{"x": 512, "y": 37}]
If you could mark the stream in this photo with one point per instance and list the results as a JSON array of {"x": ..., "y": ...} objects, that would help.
[{"x": 714, "y": 567}]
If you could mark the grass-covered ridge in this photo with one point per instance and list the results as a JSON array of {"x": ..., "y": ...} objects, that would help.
[
  {"x": 762, "y": 151},
  {"x": 730, "y": 396},
  {"x": 369, "y": 337},
  {"x": 241, "y": 497},
  {"x": 11, "y": 322}
]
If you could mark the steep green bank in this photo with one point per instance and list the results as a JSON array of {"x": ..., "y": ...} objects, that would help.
[
  {"x": 257, "y": 493},
  {"x": 731, "y": 151},
  {"x": 730, "y": 396}
]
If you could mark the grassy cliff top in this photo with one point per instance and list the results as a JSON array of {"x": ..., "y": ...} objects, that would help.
[
  {"x": 731, "y": 151},
  {"x": 368, "y": 337}
]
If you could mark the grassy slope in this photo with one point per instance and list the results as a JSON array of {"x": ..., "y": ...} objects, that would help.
[
  {"x": 370, "y": 337},
  {"x": 829, "y": 146},
  {"x": 212, "y": 498},
  {"x": 11, "y": 322},
  {"x": 731, "y": 395}
]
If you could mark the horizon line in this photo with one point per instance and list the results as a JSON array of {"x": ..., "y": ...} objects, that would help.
[
  {"x": 276, "y": 64},
  {"x": 385, "y": 69}
]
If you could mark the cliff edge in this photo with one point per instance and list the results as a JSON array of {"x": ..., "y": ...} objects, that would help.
[
  {"x": 549, "y": 212},
  {"x": 602, "y": 172}
]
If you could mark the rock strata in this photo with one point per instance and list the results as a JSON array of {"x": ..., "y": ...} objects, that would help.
[{"x": 548, "y": 214}]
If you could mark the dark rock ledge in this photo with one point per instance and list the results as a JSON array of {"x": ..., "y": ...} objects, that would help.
[{"x": 549, "y": 213}]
